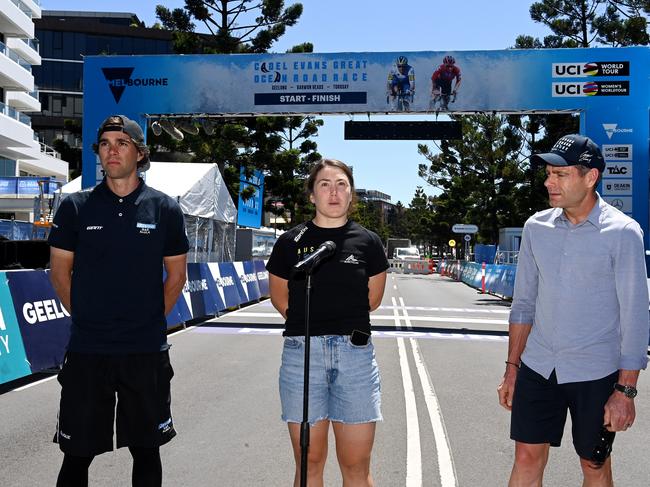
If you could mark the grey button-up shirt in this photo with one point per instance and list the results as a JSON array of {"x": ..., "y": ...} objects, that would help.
[{"x": 584, "y": 290}]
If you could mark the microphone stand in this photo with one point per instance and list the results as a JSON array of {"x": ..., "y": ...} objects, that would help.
[{"x": 304, "y": 426}]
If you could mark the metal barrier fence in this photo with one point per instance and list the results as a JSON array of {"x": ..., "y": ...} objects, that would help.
[
  {"x": 409, "y": 266},
  {"x": 499, "y": 278}
]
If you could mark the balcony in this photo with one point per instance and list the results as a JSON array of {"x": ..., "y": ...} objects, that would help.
[
  {"x": 33, "y": 6},
  {"x": 15, "y": 72},
  {"x": 16, "y": 17},
  {"x": 27, "y": 49},
  {"x": 16, "y": 135},
  {"x": 44, "y": 161},
  {"x": 26, "y": 102}
]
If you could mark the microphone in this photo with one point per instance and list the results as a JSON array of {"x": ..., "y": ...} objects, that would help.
[{"x": 323, "y": 251}]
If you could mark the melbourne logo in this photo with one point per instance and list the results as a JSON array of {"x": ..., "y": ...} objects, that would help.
[
  {"x": 612, "y": 128},
  {"x": 119, "y": 78}
]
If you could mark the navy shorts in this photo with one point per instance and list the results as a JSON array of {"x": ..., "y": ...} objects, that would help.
[
  {"x": 539, "y": 409},
  {"x": 92, "y": 384}
]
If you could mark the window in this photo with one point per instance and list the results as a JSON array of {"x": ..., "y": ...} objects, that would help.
[{"x": 7, "y": 167}]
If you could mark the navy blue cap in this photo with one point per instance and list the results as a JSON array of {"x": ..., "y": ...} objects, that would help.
[{"x": 572, "y": 150}]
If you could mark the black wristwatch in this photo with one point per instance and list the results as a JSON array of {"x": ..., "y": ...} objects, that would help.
[{"x": 629, "y": 391}]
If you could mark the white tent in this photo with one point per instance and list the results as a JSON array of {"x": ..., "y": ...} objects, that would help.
[{"x": 210, "y": 214}]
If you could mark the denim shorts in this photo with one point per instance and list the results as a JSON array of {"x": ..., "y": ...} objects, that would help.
[{"x": 344, "y": 383}]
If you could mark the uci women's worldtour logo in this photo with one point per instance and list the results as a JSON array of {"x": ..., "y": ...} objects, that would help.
[
  {"x": 120, "y": 78},
  {"x": 591, "y": 88}
]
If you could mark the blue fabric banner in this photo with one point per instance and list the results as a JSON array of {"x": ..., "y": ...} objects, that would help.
[
  {"x": 262, "y": 277},
  {"x": 226, "y": 281},
  {"x": 249, "y": 210},
  {"x": 200, "y": 291},
  {"x": 249, "y": 280},
  {"x": 44, "y": 323},
  {"x": 13, "y": 362},
  {"x": 234, "y": 283}
]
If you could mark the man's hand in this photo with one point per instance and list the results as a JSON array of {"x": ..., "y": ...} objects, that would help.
[
  {"x": 506, "y": 388},
  {"x": 619, "y": 412}
]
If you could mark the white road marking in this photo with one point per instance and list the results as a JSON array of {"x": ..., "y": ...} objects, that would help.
[
  {"x": 446, "y": 466},
  {"x": 453, "y": 310},
  {"x": 182, "y": 331},
  {"x": 37, "y": 383},
  {"x": 413, "y": 452},
  {"x": 444, "y": 319},
  {"x": 413, "y": 449},
  {"x": 445, "y": 461},
  {"x": 393, "y": 317}
]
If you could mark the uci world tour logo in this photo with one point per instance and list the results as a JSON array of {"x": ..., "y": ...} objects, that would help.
[{"x": 119, "y": 78}]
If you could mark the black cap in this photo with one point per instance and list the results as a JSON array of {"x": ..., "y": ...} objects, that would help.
[
  {"x": 572, "y": 150},
  {"x": 121, "y": 123}
]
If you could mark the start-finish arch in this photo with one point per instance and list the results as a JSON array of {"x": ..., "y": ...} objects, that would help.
[{"x": 609, "y": 87}]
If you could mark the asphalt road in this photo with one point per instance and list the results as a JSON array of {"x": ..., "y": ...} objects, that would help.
[{"x": 440, "y": 347}]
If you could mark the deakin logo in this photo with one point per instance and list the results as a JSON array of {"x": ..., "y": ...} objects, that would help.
[{"x": 117, "y": 80}]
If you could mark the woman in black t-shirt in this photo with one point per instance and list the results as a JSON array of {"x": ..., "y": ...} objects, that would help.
[{"x": 344, "y": 383}]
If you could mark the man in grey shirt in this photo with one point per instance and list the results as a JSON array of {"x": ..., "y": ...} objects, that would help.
[{"x": 578, "y": 331}]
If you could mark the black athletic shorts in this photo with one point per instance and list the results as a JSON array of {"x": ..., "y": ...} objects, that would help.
[
  {"x": 539, "y": 409},
  {"x": 90, "y": 385},
  {"x": 444, "y": 86}
]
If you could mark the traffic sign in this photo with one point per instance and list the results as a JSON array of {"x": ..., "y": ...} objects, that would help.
[
  {"x": 467, "y": 237},
  {"x": 452, "y": 243},
  {"x": 464, "y": 228}
]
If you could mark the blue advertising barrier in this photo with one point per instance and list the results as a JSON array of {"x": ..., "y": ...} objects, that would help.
[
  {"x": 13, "y": 362},
  {"x": 499, "y": 279},
  {"x": 35, "y": 328},
  {"x": 262, "y": 277},
  {"x": 44, "y": 323},
  {"x": 227, "y": 283},
  {"x": 248, "y": 278},
  {"x": 200, "y": 292}
]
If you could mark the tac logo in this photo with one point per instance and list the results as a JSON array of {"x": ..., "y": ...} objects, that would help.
[
  {"x": 616, "y": 170},
  {"x": 612, "y": 128},
  {"x": 119, "y": 78}
]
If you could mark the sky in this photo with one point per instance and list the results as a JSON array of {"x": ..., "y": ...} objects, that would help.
[{"x": 376, "y": 26}]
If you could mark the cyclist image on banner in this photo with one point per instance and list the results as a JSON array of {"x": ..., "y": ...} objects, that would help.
[
  {"x": 400, "y": 87},
  {"x": 441, "y": 80}
]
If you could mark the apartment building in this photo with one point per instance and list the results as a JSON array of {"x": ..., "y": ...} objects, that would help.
[{"x": 24, "y": 161}]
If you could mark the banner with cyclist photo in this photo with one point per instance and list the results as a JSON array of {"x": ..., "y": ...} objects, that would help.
[
  {"x": 608, "y": 87},
  {"x": 512, "y": 80}
]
